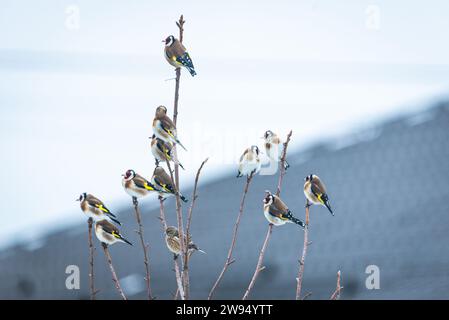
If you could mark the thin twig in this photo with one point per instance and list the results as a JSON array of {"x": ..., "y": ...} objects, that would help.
[
  {"x": 144, "y": 247},
  {"x": 93, "y": 292},
  {"x": 114, "y": 275},
  {"x": 179, "y": 281},
  {"x": 180, "y": 25},
  {"x": 188, "y": 224},
  {"x": 180, "y": 288},
  {"x": 303, "y": 256},
  {"x": 282, "y": 163},
  {"x": 259, "y": 267},
  {"x": 337, "y": 292},
  {"x": 229, "y": 259},
  {"x": 259, "y": 262}
]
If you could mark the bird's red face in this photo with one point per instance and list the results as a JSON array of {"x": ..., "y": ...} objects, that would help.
[
  {"x": 129, "y": 174},
  {"x": 169, "y": 41}
]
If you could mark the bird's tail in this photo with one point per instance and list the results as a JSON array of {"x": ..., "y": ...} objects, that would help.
[
  {"x": 192, "y": 71},
  {"x": 114, "y": 220},
  {"x": 179, "y": 142},
  {"x": 125, "y": 241},
  {"x": 328, "y": 206},
  {"x": 286, "y": 165},
  {"x": 295, "y": 220},
  {"x": 184, "y": 199}
]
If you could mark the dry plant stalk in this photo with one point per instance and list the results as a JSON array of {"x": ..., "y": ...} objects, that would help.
[
  {"x": 229, "y": 259},
  {"x": 144, "y": 247},
  {"x": 180, "y": 25},
  {"x": 259, "y": 266},
  {"x": 114, "y": 275},
  {"x": 337, "y": 292},
  {"x": 303, "y": 256},
  {"x": 180, "y": 289},
  {"x": 93, "y": 292},
  {"x": 188, "y": 224}
]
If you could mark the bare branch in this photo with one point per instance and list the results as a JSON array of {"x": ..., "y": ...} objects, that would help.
[
  {"x": 270, "y": 226},
  {"x": 337, "y": 292},
  {"x": 186, "y": 256},
  {"x": 180, "y": 288},
  {"x": 229, "y": 259},
  {"x": 303, "y": 256},
  {"x": 114, "y": 275},
  {"x": 93, "y": 292},
  {"x": 180, "y": 25},
  {"x": 282, "y": 163},
  {"x": 259, "y": 262},
  {"x": 144, "y": 247}
]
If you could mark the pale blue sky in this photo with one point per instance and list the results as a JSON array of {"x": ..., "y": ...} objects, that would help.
[{"x": 76, "y": 105}]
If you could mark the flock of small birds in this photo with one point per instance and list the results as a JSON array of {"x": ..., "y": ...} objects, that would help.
[{"x": 163, "y": 141}]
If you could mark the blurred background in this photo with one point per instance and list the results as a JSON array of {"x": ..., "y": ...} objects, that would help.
[{"x": 363, "y": 86}]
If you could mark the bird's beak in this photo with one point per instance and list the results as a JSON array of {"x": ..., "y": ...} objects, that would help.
[
  {"x": 77, "y": 199},
  {"x": 123, "y": 175},
  {"x": 262, "y": 137},
  {"x": 163, "y": 41}
]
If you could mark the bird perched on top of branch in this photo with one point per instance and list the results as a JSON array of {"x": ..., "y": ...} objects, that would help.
[
  {"x": 164, "y": 128},
  {"x": 135, "y": 185},
  {"x": 274, "y": 147},
  {"x": 174, "y": 245},
  {"x": 162, "y": 151},
  {"x": 177, "y": 56},
  {"x": 277, "y": 212},
  {"x": 249, "y": 162},
  {"x": 315, "y": 191},
  {"x": 94, "y": 208},
  {"x": 164, "y": 183},
  {"x": 109, "y": 234}
]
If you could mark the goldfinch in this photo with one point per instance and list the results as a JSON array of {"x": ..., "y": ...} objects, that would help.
[
  {"x": 174, "y": 245},
  {"x": 162, "y": 151},
  {"x": 277, "y": 212},
  {"x": 249, "y": 162},
  {"x": 164, "y": 183},
  {"x": 315, "y": 191},
  {"x": 94, "y": 208},
  {"x": 107, "y": 233},
  {"x": 177, "y": 56},
  {"x": 274, "y": 147},
  {"x": 136, "y": 185},
  {"x": 164, "y": 128}
]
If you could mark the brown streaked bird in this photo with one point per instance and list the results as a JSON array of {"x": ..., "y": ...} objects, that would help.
[
  {"x": 135, "y": 185},
  {"x": 277, "y": 212},
  {"x": 177, "y": 56},
  {"x": 174, "y": 245},
  {"x": 274, "y": 147},
  {"x": 164, "y": 183},
  {"x": 107, "y": 233},
  {"x": 315, "y": 191},
  {"x": 162, "y": 151},
  {"x": 249, "y": 162},
  {"x": 164, "y": 128},
  {"x": 94, "y": 208}
]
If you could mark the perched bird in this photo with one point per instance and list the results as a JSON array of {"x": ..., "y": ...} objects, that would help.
[
  {"x": 164, "y": 128},
  {"x": 164, "y": 183},
  {"x": 274, "y": 147},
  {"x": 162, "y": 151},
  {"x": 249, "y": 162},
  {"x": 177, "y": 56},
  {"x": 277, "y": 212},
  {"x": 136, "y": 185},
  {"x": 315, "y": 191},
  {"x": 94, "y": 208},
  {"x": 107, "y": 233},
  {"x": 174, "y": 245}
]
